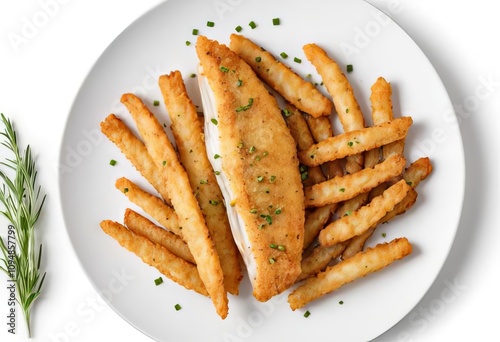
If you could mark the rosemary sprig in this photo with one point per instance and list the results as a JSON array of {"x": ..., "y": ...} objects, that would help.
[{"x": 22, "y": 203}]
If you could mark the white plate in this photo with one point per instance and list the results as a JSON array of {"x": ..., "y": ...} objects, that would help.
[{"x": 353, "y": 32}]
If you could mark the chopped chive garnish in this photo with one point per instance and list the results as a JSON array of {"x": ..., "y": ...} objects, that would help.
[
  {"x": 260, "y": 178},
  {"x": 286, "y": 112},
  {"x": 216, "y": 156},
  {"x": 112, "y": 162},
  {"x": 243, "y": 108},
  {"x": 350, "y": 143},
  {"x": 342, "y": 189},
  {"x": 213, "y": 202},
  {"x": 307, "y": 314},
  {"x": 341, "y": 302},
  {"x": 177, "y": 307},
  {"x": 277, "y": 211},
  {"x": 195, "y": 32},
  {"x": 252, "y": 149},
  {"x": 258, "y": 59},
  {"x": 158, "y": 281},
  {"x": 223, "y": 69},
  {"x": 203, "y": 181},
  {"x": 239, "y": 83},
  {"x": 156, "y": 103},
  {"x": 252, "y": 24},
  {"x": 384, "y": 234},
  {"x": 217, "y": 173},
  {"x": 272, "y": 179},
  {"x": 284, "y": 55},
  {"x": 297, "y": 60},
  {"x": 272, "y": 260},
  {"x": 164, "y": 163},
  {"x": 238, "y": 28},
  {"x": 210, "y": 24},
  {"x": 349, "y": 68},
  {"x": 276, "y": 21},
  {"x": 125, "y": 190},
  {"x": 214, "y": 121},
  {"x": 253, "y": 211},
  {"x": 281, "y": 248},
  {"x": 188, "y": 43},
  {"x": 192, "y": 75}
]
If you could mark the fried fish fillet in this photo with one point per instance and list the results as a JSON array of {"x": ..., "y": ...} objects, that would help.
[{"x": 255, "y": 158}]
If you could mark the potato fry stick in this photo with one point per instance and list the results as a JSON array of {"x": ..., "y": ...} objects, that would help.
[
  {"x": 299, "y": 92},
  {"x": 357, "y": 243},
  {"x": 355, "y": 142},
  {"x": 195, "y": 231},
  {"x": 319, "y": 259},
  {"x": 315, "y": 221},
  {"x": 151, "y": 204},
  {"x": 365, "y": 217},
  {"x": 134, "y": 150},
  {"x": 302, "y": 136},
  {"x": 139, "y": 224},
  {"x": 338, "y": 87},
  {"x": 170, "y": 265},
  {"x": 345, "y": 102},
  {"x": 346, "y": 187},
  {"x": 417, "y": 171},
  {"x": 188, "y": 134},
  {"x": 346, "y": 271},
  {"x": 381, "y": 101}
]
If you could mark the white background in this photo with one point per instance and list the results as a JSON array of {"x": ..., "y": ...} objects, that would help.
[{"x": 40, "y": 77}]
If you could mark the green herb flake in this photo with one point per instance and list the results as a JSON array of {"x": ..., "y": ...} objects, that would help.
[
  {"x": 342, "y": 189},
  {"x": 177, "y": 307},
  {"x": 158, "y": 281},
  {"x": 307, "y": 314},
  {"x": 384, "y": 235},
  {"x": 350, "y": 143},
  {"x": 188, "y": 43},
  {"x": 286, "y": 113},
  {"x": 260, "y": 178},
  {"x": 349, "y": 68},
  {"x": 223, "y": 69},
  {"x": 214, "y": 121},
  {"x": 213, "y": 202},
  {"x": 278, "y": 211},
  {"x": 112, "y": 162},
  {"x": 276, "y": 21},
  {"x": 239, "y": 83},
  {"x": 125, "y": 190},
  {"x": 195, "y": 32},
  {"x": 341, "y": 302},
  {"x": 284, "y": 55},
  {"x": 217, "y": 156},
  {"x": 297, "y": 60},
  {"x": 238, "y": 28},
  {"x": 258, "y": 59},
  {"x": 210, "y": 24},
  {"x": 252, "y": 24},
  {"x": 272, "y": 260},
  {"x": 245, "y": 107}
]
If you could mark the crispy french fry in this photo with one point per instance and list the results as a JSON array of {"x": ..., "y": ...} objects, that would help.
[
  {"x": 355, "y": 142},
  {"x": 151, "y": 204},
  {"x": 345, "y": 102},
  {"x": 141, "y": 225},
  {"x": 195, "y": 231},
  {"x": 299, "y": 92},
  {"x": 134, "y": 150},
  {"x": 357, "y": 243},
  {"x": 315, "y": 221},
  {"x": 170, "y": 265},
  {"x": 417, "y": 171},
  {"x": 302, "y": 136},
  {"x": 365, "y": 217},
  {"x": 346, "y": 271},
  {"x": 188, "y": 134},
  {"x": 346, "y": 187},
  {"x": 319, "y": 259}
]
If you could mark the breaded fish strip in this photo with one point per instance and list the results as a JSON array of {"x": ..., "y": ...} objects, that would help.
[
  {"x": 260, "y": 178},
  {"x": 299, "y": 92},
  {"x": 188, "y": 133}
]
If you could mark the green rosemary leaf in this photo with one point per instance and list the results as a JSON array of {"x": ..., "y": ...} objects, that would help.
[{"x": 22, "y": 200}]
